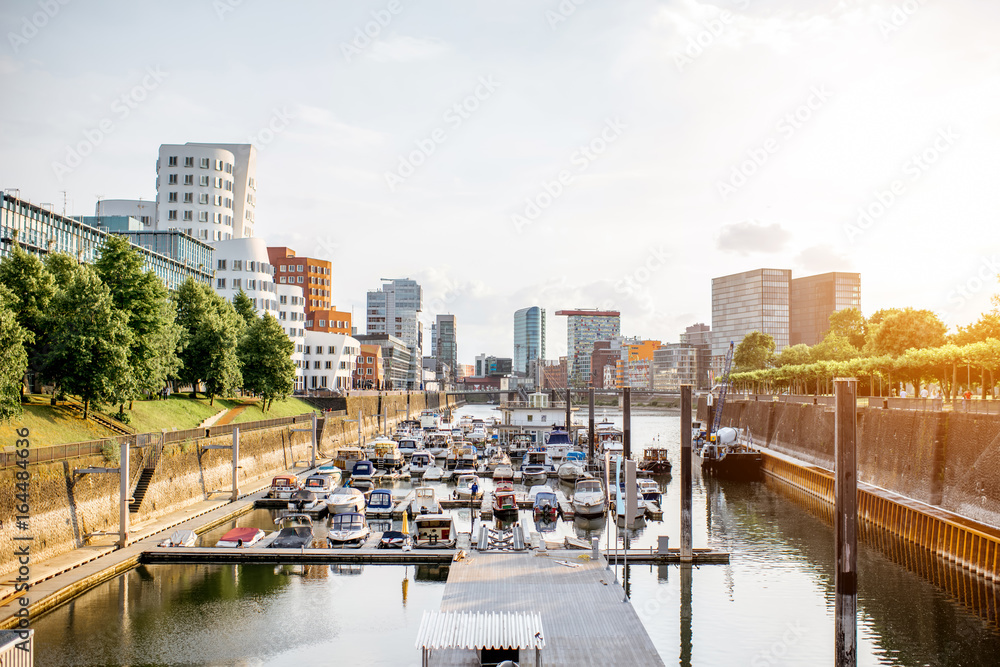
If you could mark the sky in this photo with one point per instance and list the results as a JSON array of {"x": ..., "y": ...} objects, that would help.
[{"x": 560, "y": 153}]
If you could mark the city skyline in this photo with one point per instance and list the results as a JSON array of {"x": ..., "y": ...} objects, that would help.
[{"x": 695, "y": 125}]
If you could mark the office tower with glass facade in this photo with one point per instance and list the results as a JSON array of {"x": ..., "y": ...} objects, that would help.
[
  {"x": 392, "y": 310},
  {"x": 446, "y": 347},
  {"x": 815, "y": 298},
  {"x": 750, "y": 301},
  {"x": 583, "y": 328},
  {"x": 529, "y": 337}
]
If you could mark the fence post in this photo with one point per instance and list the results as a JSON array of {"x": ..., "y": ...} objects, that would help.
[{"x": 845, "y": 529}]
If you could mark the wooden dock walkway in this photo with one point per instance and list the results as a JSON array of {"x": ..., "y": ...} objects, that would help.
[{"x": 584, "y": 619}]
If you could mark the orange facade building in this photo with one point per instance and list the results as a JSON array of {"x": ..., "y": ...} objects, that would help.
[
  {"x": 314, "y": 277},
  {"x": 368, "y": 370}
]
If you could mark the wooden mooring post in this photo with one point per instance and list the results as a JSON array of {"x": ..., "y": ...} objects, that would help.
[
  {"x": 686, "y": 481},
  {"x": 626, "y": 423},
  {"x": 590, "y": 427},
  {"x": 846, "y": 516}
]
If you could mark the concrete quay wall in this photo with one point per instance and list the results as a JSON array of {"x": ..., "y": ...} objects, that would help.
[
  {"x": 64, "y": 508},
  {"x": 946, "y": 459}
]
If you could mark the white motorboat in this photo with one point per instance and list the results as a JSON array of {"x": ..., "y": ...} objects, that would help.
[
  {"x": 430, "y": 420},
  {"x": 296, "y": 532},
  {"x": 240, "y": 538},
  {"x": 420, "y": 462},
  {"x": 348, "y": 530},
  {"x": 408, "y": 446},
  {"x": 588, "y": 498},
  {"x": 434, "y": 531},
  {"x": 345, "y": 499},
  {"x": 437, "y": 442},
  {"x": 322, "y": 485},
  {"x": 504, "y": 471},
  {"x": 386, "y": 454},
  {"x": 425, "y": 501},
  {"x": 434, "y": 473},
  {"x": 478, "y": 432},
  {"x": 497, "y": 457},
  {"x": 305, "y": 500},
  {"x": 558, "y": 443},
  {"x": 282, "y": 486},
  {"x": 649, "y": 489},
  {"x": 533, "y": 473},
  {"x": 464, "y": 488},
  {"x": 180, "y": 538},
  {"x": 570, "y": 471}
]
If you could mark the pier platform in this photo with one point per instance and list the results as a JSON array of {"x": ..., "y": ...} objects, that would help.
[{"x": 584, "y": 619}]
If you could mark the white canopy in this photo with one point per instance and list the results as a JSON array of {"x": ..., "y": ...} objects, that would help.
[{"x": 480, "y": 630}]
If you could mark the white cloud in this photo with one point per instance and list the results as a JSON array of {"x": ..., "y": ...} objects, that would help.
[{"x": 403, "y": 48}]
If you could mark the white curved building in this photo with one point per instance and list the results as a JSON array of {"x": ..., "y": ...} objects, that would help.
[
  {"x": 208, "y": 191},
  {"x": 291, "y": 315},
  {"x": 329, "y": 360},
  {"x": 243, "y": 264}
]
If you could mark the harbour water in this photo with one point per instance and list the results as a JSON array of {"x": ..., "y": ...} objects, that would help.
[{"x": 771, "y": 605}]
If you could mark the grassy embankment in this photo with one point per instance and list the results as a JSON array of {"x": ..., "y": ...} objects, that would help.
[{"x": 54, "y": 425}]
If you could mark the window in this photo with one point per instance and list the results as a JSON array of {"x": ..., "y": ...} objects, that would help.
[
  {"x": 218, "y": 165},
  {"x": 188, "y": 179},
  {"x": 530, "y": 418},
  {"x": 322, "y": 323},
  {"x": 203, "y": 198},
  {"x": 189, "y": 162},
  {"x": 308, "y": 349},
  {"x": 171, "y": 215},
  {"x": 188, "y": 197},
  {"x": 171, "y": 179},
  {"x": 282, "y": 279},
  {"x": 222, "y": 265},
  {"x": 229, "y": 168},
  {"x": 343, "y": 365},
  {"x": 172, "y": 161},
  {"x": 188, "y": 215},
  {"x": 237, "y": 265},
  {"x": 283, "y": 299},
  {"x": 203, "y": 234},
  {"x": 252, "y": 284},
  {"x": 329, "y": 365},
  {"x": 203, "y": 181},
  {"x": 237, "y": 282},
  {"x": 202, "y": 216},
  {"x": 205, "y": 163},
  {"x": 171, "y": 197},
  {"x": 333, "y": 349},
  {"x": 221, "y": 283},
  {"x": 218, "y": 182},
  {"x": 299, "y": 280}
]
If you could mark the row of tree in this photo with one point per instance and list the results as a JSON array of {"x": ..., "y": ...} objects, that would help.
[
  {"x": 111, "y": 333},
  {"x": 902, "y": 345}
]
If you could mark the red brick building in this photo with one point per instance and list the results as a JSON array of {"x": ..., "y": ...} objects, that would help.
[
  {"x": 368, "y": 371},
  {"x": 554, "y": 375},
  {"x": 314, "y": 277}
]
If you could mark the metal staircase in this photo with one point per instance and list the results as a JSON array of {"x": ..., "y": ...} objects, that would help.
[{"x": 151, "y": 453}]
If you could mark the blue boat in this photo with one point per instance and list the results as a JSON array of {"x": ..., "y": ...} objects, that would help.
[
  {"x": 363, "y": 470},
  {"x": 578, "y": 457},
  {"x": 380, "y": 501}
]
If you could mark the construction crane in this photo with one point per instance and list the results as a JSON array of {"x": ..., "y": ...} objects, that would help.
[{"x": 717, "y": 420}]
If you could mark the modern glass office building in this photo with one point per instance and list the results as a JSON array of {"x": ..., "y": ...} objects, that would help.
[
  {"x": 529, "y": 337},
  {"x": 815, "y": 298},
  {"x": 584, "y": 328},
  {"x": 750, "y": 301},
  {"x": 392, "y": 310},
  {"x": 446, "y": 347},
  {"x": 41, "y": 231}
]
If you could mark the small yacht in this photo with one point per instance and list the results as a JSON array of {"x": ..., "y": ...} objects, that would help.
[
  {"x": 420, "y": 462},
  {"x": 282, "y": 486},
  {"x": 180, "y": 538},
  {"x": 425, "y": 501},
  {"x": 380, "y": 502},
  {"x": 240, "y": 538},
  {"x": 430, "y": 420},
  {"x": 588, "y": 498},
  {"x": 543, "y": 502},
  {"x": 434, "y": 531},
  {"x": 336, "y": 474},
  {"x": 649, "y": 490},
  {"x": 464, "y": 489},
  {"x": 345, "y": 499},
  {"x": 386, "y": 454},
  {"x": 408, "y": 446},
  {"x": 504, "y": 471},
  {"x": 296, "y": 532},
  {"x": 434, "y": 473},
  {"x": 497, "y": 457},
  {"x": 558, "y": 443},
  {"x": 345, "y": 457},
  {"x": 478, "y": 432},
  {"x": 362, "y": 471},
  {"x": 348, "y": 530},
  {"x": 533, "y": 473},
  {"x": 305, "y": 500},
  {"x": 437, "y": 442},
  {"x": 322, "y": 485},
  {"x": 504, "y": 501},
  {"x": 570, "y": 471}
]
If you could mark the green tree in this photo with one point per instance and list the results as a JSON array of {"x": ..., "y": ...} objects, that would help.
[
  {"x": 907, "y": 329},
  {"x": 14, "y": 360},
  {"x": 754, "y": 352},
  {"x": 244, "y": 307},
  {"x": 987, "y": 326},
  {"x": 850, "y": 324},
  {"x": 266, "y": 360},
  {"x": 88, "y": 340},
  {"x": 834, "y": 347},
  {"x": 794, "y": 355},
  {"x": 143, "y": 298},
  {"x": 33, "y": 288},
  {"x": 62, "y": 267},
  {"x": 211, "y": 331}
]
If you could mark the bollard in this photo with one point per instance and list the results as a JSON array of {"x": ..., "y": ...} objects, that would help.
[{"x": 595, "y": 548}]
